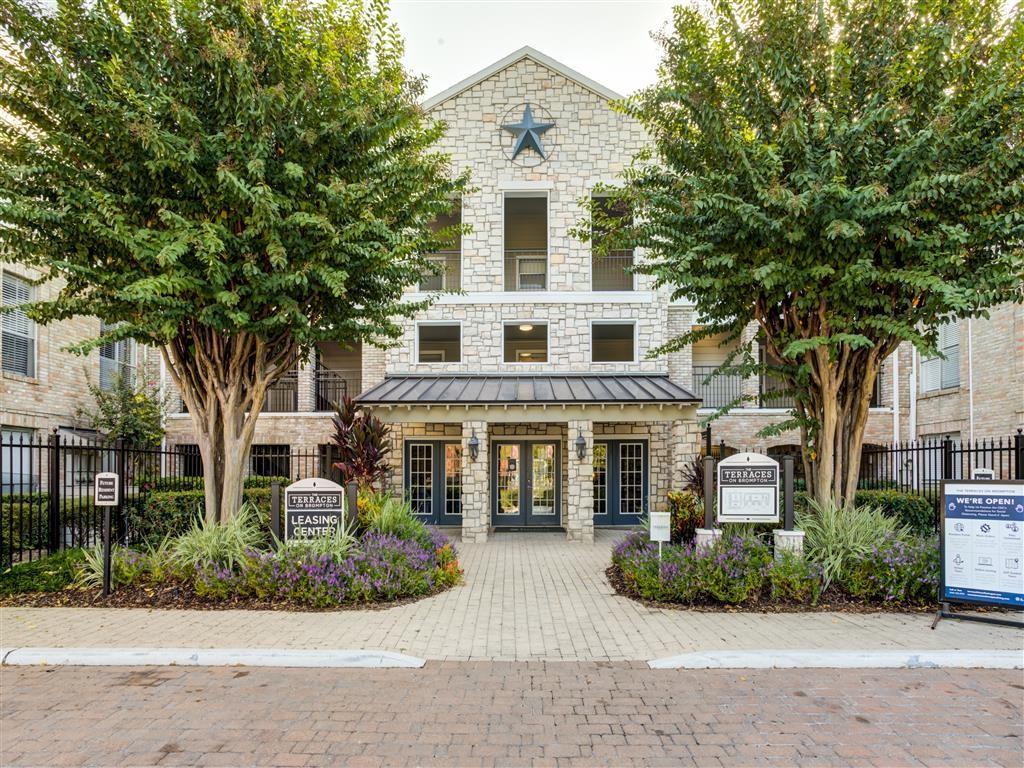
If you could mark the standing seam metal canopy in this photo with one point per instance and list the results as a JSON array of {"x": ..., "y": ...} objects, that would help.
[{"x": 470, "y": 389}]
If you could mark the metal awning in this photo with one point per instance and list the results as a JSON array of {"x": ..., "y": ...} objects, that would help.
[{"x": 528, "y": 389}]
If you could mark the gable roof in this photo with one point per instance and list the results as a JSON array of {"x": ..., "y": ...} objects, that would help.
[{"x": 526, "y": 52}]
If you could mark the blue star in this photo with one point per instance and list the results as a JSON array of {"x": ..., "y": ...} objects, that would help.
[{"x": 528, "y": 133}]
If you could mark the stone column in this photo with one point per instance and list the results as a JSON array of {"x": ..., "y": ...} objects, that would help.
[
  {"x": 306, "y": 384},
  {"x": 580, "y": 522},
  {"x": 475, "y": 484},
  {"x": 684, "y": 449},
  {"x": 751, "y": 384}
]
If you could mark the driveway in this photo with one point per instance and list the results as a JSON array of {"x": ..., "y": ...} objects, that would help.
[{"x": 527, "y": 597}]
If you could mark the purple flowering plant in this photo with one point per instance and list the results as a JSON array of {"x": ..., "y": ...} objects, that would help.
[{"x": 896, "y": 569}]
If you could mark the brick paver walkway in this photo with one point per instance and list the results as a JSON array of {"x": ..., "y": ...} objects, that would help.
[
  {"x": 471, "y": 714},
  {"x": 528, "y": 596}
]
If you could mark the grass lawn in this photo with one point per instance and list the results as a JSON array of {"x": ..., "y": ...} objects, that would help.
[{"x": 48, "y": 574}]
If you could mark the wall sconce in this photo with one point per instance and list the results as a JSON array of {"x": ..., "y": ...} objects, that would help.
[
  {"x": 581, "y": 446},
  {"x": 474, "y": 446}
]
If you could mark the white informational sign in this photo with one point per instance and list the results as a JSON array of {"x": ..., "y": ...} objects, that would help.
[
  {"x": 313, "y": 507},
  {"x": 983, "y": 542},
  {"x": 661, "y": 526},
  {"x": 983, "y": 473},
  {"x": 748, "y": 489},
  {"x": 106, "y": 489}
]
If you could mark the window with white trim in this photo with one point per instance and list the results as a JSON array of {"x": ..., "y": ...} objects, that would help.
[
  {"x": 612, "y": 342},
  {"x": 526, "y": 242},
  {"x": 439, "y": 342},
  {"x": 943, "y": 371},
  {"x": 18, "y": 351},
  {"x": 117, "y": 360},
  {"x": 526, "y": 342}
]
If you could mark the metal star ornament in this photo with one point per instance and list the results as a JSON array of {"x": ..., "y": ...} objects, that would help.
[{"x": 528, "y": 133}]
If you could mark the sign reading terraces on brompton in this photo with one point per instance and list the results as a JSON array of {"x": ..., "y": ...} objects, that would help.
[
  {"x": 313, "y": 507},
  {"x": 748, "y": 489}
]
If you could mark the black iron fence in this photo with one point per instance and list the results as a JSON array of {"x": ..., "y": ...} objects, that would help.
[
  {"x": 46, "y": 486},
  {"x": 921, "y": 465}
]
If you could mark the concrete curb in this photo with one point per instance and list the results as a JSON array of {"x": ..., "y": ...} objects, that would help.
[
  {"x": 204, "y": 657},
  {"x": 965, "y": 659}
]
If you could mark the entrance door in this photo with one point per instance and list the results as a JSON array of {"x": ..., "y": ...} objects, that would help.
[
  {"x": 526, "y": 483},
  {"x": 620, "y": 482}
]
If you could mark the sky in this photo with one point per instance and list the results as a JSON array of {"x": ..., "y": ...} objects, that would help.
[{"x": 606, "y": 40}]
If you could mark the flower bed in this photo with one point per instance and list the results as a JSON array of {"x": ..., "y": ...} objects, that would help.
[{"x": 395, "y": 558}]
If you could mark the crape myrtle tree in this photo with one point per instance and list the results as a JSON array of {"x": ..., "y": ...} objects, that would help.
[
  {"x": 229, "y": 181},
  {"x": 845, "y": 175}
]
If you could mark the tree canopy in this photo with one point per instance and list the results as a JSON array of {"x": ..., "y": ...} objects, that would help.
[
  {"x": 228, "y": 180},
  {"x": 845, "y": 174}
]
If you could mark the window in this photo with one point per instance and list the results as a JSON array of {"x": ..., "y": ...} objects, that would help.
[
  {"x": 19, "y": 466},
  {"x": 526, "y": 243},
  {"x": 611, "y": 271},
  {"x": 439, "y": 343},
  {"x": 447, "y": 260},
  {"x": 612, "y": 342},
  {"x": 270, "y": 461},
  {"x": 18, "y": 340},
  {"x": 187, "y": 460},
  {"x": 526, "y": 342},
  {"x": 942, "y": 372},
  {"x": 117, "y": 360}
]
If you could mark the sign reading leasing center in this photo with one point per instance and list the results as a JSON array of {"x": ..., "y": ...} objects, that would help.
[
  {"x": 748, "y": 489},
  {"x": 313, "y": 507},
  {"x": 983, "y": 542}
]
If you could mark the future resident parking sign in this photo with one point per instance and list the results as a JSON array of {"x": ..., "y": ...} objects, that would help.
[{"x": 983, "y": 542}]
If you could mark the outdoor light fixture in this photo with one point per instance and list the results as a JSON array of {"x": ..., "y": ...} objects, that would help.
[
  {"x": 474, "y": 446},
  {"x": 525, "y": 327},
  {"x": 581, "y": 446}
]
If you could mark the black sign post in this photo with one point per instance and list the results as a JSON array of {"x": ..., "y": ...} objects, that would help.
[
  {"x": 106, "y": 493},
  {"x": 313, "y": 507}
]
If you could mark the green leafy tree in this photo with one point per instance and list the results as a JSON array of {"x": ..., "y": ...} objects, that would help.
[
  {"x": 229, "y": 180},
  {"x": 125, "y": 411},
  {"x": 845, "y": 175}
]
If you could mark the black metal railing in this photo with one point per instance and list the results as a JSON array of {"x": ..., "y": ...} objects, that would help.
[
  {"x": 332, "y": 385},
  {"x": 612, "y": 272},
  {"x": 718, "y": 390},
  {"x": 449, "y": 276},
  {"x": 526, "y": 269},
  {"x": 283, "y": 395}
]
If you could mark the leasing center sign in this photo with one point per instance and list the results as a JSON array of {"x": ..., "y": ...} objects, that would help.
[
  {"x": 983, "y": 542},
  {"x": 313, "y": 507},
  {"x": 748, "y": 489}
]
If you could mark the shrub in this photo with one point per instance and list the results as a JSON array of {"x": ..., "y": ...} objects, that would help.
[
  {"x": 794, "y": 579},
  {"x": 363, "y": 442},
  {"x": 896, "y": 569},
  {"x": 389, "y": 515},
  {"x": 687, "y": 515},
  {"x": 195, "y": 483},
  {"x": 154, "y": 564},
  {"x": 221, "y": 545},
  {"x": 337, "y": 544},
  {"x": 835, "y": 536},
  {"x": 912, "y": 510},
  {"x": 48, "y": 574},
  {"x": 171, "y": 513}
]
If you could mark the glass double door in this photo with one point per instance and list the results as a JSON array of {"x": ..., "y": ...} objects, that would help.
[
  {"x": 526, "y": 482},
  {"x": 433, "y": 481},
  {"x": 620, "y": 482}
]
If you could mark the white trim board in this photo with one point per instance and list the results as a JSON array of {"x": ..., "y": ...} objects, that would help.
[{"x": 526, "y": 52}]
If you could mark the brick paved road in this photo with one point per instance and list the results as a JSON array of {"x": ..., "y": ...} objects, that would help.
[
  {"x": 527, "y": 597},
  {"x": 479, "y": 713}
]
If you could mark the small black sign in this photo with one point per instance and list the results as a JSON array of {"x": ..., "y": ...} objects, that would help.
[{"x": 312, "y": 512}]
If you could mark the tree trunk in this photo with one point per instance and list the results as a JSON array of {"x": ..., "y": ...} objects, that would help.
[{"x": 223, "y": 380}]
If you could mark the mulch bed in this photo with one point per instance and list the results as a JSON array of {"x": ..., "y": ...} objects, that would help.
[
  {"x": 181, "y": 596},
  {"x": 832, "y": 600}
]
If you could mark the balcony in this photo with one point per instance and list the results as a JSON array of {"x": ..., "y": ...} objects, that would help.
[
  {"x": 449, "y": 275},
  {"x": 331, "y": 385},
  {"x": 283, "y": 395},
  {"x": 612, "y": 272},
  {"x": 526, "y": 269},
  {"x": 719, "y": 390}
]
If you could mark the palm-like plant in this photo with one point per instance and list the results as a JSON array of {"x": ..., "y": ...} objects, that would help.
[{"x": 363, "y": 444}]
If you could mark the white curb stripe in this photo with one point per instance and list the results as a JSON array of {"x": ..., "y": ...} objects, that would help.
[
  {"x": 1009, "y": 659},
  {"x": 204, "y": 657}
]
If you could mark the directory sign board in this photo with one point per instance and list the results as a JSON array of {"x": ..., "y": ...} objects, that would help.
[
  {"x": 748, "y": 489},
  {"x": 313, "y": 507},
  {"x": 661, "y": 526},
  {"x": 983, "y": 542},
  {"x": 106, "y": 489}
]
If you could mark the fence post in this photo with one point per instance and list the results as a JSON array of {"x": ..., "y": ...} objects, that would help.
[
  {"x": 787, "y": 491},
  {"x": 707, "y": 440},
  {"x": 947, "y": 459},
  {"x": 275, "y": 510},
  {"x": 352, "y": 502},
  {"x": 709, "y": 492},
  {"x": 1018, "y": 453},
  {"x": 53, "y": 492},
  {"x": 122, "y": 478}
]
